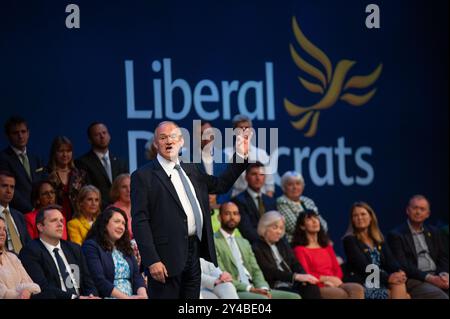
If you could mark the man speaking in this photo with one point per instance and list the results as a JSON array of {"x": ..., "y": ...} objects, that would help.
[{"x": 171, "y": 218}]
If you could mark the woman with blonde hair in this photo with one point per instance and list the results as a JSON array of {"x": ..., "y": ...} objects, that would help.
[
  {"x": 364, "y": 245},
  {"x": 88, "y": 207}
]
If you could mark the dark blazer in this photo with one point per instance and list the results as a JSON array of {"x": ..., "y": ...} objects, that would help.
[
  {"x": 102, "y": 269},
  {"x": 21, "y": 225},
  {"x": 96, "y": 173},
  {"x": 42, "y": 269},
  {"x": 401, "y": 243},
  {"x": 159, "y": 221},
  {"x": 9, "y": 161},
  {"x": 250, "y": 214},
  {"x": 218, "y": 168},
  {"x": 358, "y": 258},
  {"x": 267, "y": 263}
]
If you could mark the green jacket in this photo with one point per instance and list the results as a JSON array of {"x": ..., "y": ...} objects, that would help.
[{"x": 227, "y": 262}]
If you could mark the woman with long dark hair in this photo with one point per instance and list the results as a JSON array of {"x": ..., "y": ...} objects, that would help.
[
  {"x": 111, "y": 259},
  {"x": 67, "y": 178},
  {"x": 314, "y": 252}
]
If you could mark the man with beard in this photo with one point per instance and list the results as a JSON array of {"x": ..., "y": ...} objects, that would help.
[{"x": 235, "y": 256}]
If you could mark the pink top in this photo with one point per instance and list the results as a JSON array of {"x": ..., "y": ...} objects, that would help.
[
  {"x": 319, "y": 261},
  {"x": 127, "y": 210}
]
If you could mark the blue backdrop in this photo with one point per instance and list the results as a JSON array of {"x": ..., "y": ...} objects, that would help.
[{"x": 133, "y": 63}]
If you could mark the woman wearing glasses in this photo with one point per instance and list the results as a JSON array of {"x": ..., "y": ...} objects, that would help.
[{"x": 42, "y": 194}]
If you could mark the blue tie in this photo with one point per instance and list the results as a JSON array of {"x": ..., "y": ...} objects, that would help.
[
  {"x": 191, "y": 197},
  {"x": 64, "y": 274}
]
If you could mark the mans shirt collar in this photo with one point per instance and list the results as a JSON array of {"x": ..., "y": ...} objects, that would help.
[
  {"x": 19, "y": 152},
  {"x": 2, "y": 209},
  {"x": 253, "y": 194},
  {"x": 167, "y": 165},
  {"x": 100, "y": 155},
  {"x": 413, "y": 231},
  {"x": 226, "y": 234},
  {"x": 50, "y": 247}
]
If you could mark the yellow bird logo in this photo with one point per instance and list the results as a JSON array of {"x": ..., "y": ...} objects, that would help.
[{"x": 330, "y": 87}]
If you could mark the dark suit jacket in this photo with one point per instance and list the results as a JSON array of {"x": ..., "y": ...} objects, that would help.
[
  {"x": 97, "y": 175},
  {"x": 401, "y": 243},
  {"x": 267, "y": 263},
  {"x": 10, "y": 162},
  {"x": 21, "y": 225},
  {"x": 358, "y": 258},
  {"x": 102, "y": 269},
  {"x": 159, "y": 221},
  {"x": 42, "y": 269},
  {"x": 218, "y": 168},
  {"x": 250, "y": 214}
]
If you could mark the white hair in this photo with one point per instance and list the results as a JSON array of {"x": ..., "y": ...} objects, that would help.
[
  {"x": 291, "y": 175},
  {"x": 267, "y": 219}
]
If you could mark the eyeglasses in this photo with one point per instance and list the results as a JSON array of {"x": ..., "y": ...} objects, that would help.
[
  {"x": 48, "y": 193},
  {"x": 173, "y": 136}
]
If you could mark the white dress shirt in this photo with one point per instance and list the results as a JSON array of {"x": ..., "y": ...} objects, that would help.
[
  {"x": 108, "y": 167},
  {"x": 50, "y": 249},
  {"x": 172, "y": 173},
  {"x": 19, "y": 152}
]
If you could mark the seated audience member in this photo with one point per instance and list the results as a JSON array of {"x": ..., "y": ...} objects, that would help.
[
  {"x": 216, "y": 284},
  {"x": 24, "y": 166},
  {"x": 14, "y": 280},
  {"x": 314, "y": 252},
  {"x": 235, "y": 256},
  {"x": 110, "y": 257},
  {"x": 293, "y": 202},
  {"x": 418, "y": 249},
  {"x": 42, "y": 194},
  {"x": 277, "y": 262},
  {"x": 16, "y": 230},
  {"x": 88, "y": 207},
  {"x": 120, "y": 196},
  {"x": 215, "y": 222},
  {"x": 364, "y": 245},
  {"x": 68, "y": 179},
  {"x": 51, "y": 262},
  {"x": 252, "y": 202}
]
